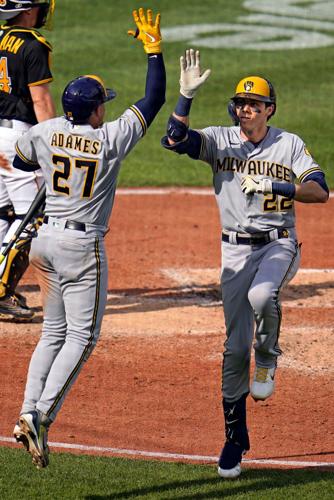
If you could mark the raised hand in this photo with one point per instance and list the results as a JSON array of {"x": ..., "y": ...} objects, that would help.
[{"x": 146, "y": 31}]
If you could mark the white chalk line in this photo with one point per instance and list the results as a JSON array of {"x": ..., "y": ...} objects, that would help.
[
  {"x": 198, "y": 191},
  {"x": 309, "y": 270},
  {"x": 175, "y": 456},
  {"x": 165, "y": 191}
]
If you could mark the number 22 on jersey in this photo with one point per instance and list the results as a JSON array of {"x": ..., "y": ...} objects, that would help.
[
  {"x": 276, "y": 203},
  {"x": 61, "y": 176}
]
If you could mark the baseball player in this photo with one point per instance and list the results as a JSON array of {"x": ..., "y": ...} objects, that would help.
[
  {"x": 80, "y": 157},
  {"x": 255, "y": 167},
  {"x": 25, "y": 99}
]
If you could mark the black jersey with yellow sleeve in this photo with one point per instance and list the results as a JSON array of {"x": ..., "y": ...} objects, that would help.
[{"x": 24, "y": 62}]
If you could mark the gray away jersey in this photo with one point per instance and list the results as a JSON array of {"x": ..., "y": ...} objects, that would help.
[
  {"x": 280, "y": 156},
  {"x": 80, "y": 164}
]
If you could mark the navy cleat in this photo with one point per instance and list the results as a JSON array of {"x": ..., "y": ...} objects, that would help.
[
  {"x": 229, "y": 464},
  {"x": 237, "y": 440},
  {"x": 30, "y": 431}
]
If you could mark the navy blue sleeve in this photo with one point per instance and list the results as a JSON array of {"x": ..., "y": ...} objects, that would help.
[
  {"x": 155, "y": 89},
  {"x": 23, "y": 165},
  {"x": 287, "y": 189},
  {"x": 191, "y": 146},
  {"x": 318, "y": 177}
]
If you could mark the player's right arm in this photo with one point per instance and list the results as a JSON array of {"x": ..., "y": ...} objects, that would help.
[{"x": 180, "y": 138}]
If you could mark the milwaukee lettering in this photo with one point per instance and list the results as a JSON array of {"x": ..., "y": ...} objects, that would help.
[{"x": 254, "y": 167}]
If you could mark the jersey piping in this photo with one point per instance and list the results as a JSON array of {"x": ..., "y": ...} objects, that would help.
[
  {"x": 40, "y": 82},
  {"x": 23, "y": 158},
  {"x": 202, "y": 143},
  {"x": 140, "y": 117},
  {"x": 308, "y": 172},
  {"x": 37, "y": 35},
  {"x": 277, "y": 303}
]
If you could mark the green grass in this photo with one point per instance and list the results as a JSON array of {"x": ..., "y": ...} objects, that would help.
[
  {"x": 90, "y": 477},
  {"x": 90, "y": 37}
]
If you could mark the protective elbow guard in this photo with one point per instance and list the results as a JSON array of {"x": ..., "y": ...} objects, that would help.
[{"x": 176, "y": 130}]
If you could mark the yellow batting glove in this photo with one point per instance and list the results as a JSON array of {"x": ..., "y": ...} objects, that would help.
[{"x": 146, "y": 31}]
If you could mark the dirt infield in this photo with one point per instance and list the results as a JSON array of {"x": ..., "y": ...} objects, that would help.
[{"x": 153, "y": 381}]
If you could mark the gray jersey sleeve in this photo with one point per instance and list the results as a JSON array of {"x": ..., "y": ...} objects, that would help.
[
  {"x": 209, "y": 137},
  {"x": 124, "y": 133},
  {"x": 302, "y": 162},
  {"x": 25, "y": 147}
]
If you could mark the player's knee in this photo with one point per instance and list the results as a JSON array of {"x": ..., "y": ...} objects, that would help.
[
  {"x": 262, "y": 299},
  {"x": 237, "y": 354}
]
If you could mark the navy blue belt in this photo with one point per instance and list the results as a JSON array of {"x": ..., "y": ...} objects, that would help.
[
  {"x": 256, "y": 239},
  {"x": 69, "y": 224}
]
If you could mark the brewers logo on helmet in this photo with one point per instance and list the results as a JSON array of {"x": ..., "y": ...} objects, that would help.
[{"x": 255, "y": 87}]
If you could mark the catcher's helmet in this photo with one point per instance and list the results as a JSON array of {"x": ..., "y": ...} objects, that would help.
[
  {"x": 11, "y": 8},
  {"x": 82, "y": 96}
]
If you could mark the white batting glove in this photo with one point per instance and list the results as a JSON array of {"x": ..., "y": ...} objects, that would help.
[
  {"x": 191, "y": 78},
  {"x": 249, "y": 185}
]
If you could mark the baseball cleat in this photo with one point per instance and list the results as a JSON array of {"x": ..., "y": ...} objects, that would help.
[
  {"x": 263, "y": 383},
  {"x": 13, "y": 306},
  {"x": 33, "y": 435},
  {"x": 21, "y": 299},
  {"x": 229, "y": 464},
  {"x": 20, "y": 437}
]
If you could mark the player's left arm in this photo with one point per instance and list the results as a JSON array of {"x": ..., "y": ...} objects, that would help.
[
  {"x": 149, "y": 33},
  {"x": 37, "y": 57},
  {"x": 311, "y": 186},
  {"x": 313, "y": 189},
  {"x": 42, "y": 101},
  {"x": 26, "y": 157}
]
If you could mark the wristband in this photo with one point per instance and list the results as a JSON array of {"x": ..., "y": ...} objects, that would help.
[
  {"x": 183, "y": 106},
  {"x": 284, "y": 189}
]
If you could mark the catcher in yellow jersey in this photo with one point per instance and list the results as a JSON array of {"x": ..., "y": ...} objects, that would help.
[{"x": 25, "y": 99}]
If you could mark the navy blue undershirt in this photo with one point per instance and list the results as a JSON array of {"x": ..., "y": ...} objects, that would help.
[
  {"x": 155, "y": 88},
  {"x": 22, "y": 165}
]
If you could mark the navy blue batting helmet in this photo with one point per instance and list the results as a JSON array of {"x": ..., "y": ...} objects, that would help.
[{"x": 82, "y": 96}]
